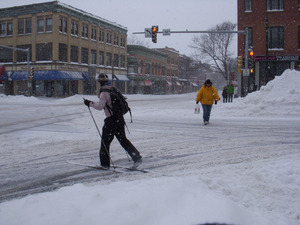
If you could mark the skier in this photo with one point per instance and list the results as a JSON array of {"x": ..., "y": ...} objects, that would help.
[
  {"x": 114, "y": 125},
  {"x": 207, "y": 95}
]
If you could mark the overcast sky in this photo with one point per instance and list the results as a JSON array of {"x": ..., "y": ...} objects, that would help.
[{"x": 177, "y": 15}]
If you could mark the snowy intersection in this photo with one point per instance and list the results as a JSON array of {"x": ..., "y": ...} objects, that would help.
[{"x": 243, "y": 168}]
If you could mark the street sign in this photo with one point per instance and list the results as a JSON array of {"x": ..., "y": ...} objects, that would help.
[
  {"x": 148, "y": 32},
  {"x": 246, "y": 72},
  {"x": 166, "y": 32}
]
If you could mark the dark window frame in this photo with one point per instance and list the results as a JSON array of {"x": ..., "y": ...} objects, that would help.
[{"x": 275, "y": 37}]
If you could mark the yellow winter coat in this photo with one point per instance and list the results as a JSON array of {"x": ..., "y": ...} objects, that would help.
[{"x": 207, "y": 95}]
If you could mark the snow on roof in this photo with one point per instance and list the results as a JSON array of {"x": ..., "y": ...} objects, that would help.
[{"x": 90, "y": 14}]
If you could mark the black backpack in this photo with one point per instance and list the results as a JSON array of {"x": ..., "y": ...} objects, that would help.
[{"x": 118, "y": 101}]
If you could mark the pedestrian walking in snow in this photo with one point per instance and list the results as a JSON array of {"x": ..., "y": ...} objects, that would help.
[
  {"x": 207, "y": 95},
  {"x": 230, "y": 92},
  {"x": 224, "y": 94},
  {"x": 114, "y": 125}
]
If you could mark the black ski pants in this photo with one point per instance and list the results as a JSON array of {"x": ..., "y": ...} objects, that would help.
[{"x": 115, "y": 126}]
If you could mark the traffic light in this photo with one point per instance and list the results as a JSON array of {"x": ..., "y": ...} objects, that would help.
[
  {"x": 240, "y": 63},
  {"x": 251, "y": 61},
  {"x": 154, "y": 34},
  {"x": 31, "y": 72}
]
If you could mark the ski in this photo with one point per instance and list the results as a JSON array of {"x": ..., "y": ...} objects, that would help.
[
  {"x": 112, "y": 168},
  {"x": 132, "y": 169},
  {"x": 95, "y": 167}
]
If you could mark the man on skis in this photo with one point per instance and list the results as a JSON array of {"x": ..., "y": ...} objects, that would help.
[{"x": 114, "y": 125}]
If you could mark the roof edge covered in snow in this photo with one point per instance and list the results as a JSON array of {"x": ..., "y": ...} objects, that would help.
[{"x": 57, "y": 6}]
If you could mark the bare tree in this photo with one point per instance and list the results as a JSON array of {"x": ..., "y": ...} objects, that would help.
[
  {"x": 134, "y": 40},
  {"x": 213, "y": 48}
]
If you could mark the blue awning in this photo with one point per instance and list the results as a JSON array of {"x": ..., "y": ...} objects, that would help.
[
  {"x": 118, "y": 77},
  {"x": 49, "y": 75},
  {"x": 86, "y": 75}
]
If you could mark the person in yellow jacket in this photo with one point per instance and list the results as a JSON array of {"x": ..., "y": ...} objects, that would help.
[{"x": 207, "y": 95}]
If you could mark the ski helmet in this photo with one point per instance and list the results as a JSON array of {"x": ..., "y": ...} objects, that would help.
[{"x": 102, "y": 79}]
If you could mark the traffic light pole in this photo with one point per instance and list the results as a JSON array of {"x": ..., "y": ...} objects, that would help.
[
  {"x": 245, "y": 32},
  {"x": 28, "y": 57}
]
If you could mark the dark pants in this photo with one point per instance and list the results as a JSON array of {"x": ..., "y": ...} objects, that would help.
[
  {"x": 206, "y": 112},
  {"x": 114, "y": 126},
  {"x": 230, "y": 97}
]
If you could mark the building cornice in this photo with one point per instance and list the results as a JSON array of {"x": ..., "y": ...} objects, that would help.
[{"x": 59, "y": 7}]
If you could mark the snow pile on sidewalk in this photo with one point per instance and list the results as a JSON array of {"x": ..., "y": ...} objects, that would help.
[{"x": 280, "y": 97}]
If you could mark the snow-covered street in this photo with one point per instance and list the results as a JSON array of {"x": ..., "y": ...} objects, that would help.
[{"x": 242, "y": 168}]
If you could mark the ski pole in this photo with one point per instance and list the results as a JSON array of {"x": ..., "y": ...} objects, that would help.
[{"x": 101, "y": 137}]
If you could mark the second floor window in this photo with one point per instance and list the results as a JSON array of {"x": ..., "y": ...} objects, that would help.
[
  {"x": 248, "y": 5},
  {"x": 40, "y": 25},
  {"x": 21, "y": 26},
  {"x": 9, "y": 28},
  {"x": 276, "y": 37},
  {"x": 48, "y": 24},
  {"x": 101, "y": 35},
  {"x": 28, "y": 26},
  {"x": 2, "y": 29},
  {"x": 274, "y": 4}
]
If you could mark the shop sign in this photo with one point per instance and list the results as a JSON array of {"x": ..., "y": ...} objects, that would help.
[{"x": 277, "y": 58}]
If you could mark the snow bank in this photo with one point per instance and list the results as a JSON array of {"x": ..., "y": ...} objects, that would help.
[
  {"x": 158, "y": 201},
  {"x": 280, "y": 97}
]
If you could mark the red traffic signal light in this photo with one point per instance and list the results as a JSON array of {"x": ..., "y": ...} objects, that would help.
[
  {"x": 154, "y": 33},
  {"x": 251, "y": 53}
]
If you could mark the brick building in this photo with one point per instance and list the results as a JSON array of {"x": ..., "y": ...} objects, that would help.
[
  {"x": 68, "y": 48},
  {"x": 155, "y": 71},
  {"x": 146, "y": 70},
  {"x": 274, "y": 37}
]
